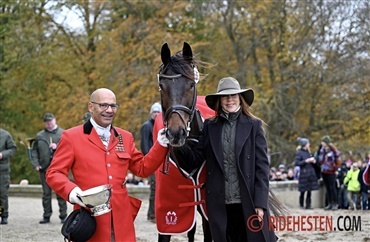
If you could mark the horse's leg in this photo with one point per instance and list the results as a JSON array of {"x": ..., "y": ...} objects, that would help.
[
  {"x": 191, "y": 233},
  {"x": 207, "y": 236},
  {"x": 164, "y": 238}
]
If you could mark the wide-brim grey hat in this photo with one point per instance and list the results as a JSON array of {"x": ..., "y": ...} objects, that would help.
[{"x": 229, "y": 86}]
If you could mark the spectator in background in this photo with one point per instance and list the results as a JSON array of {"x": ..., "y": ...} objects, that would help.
[
  {"x": 367, "y": 159},
  {"x": 146, "y": 142},
  {"x": 329, "y": 157},
  {"x": 135, "y": 180},
  {"x": 272, "y": 175},
  {"x": 354, "y": 185},
  {"x": 130, "y": 179},
  {"x": 279, "y": 176},
  {"x": 7, "y": 150},
  {"x": 290, "y": 174},
  {"x": 365, "y": 189},
  {"x": 86, "y": 117},
  {"x": 307, "y": 181},
  {"x": 342, "y": 191},
  {"x": 42, "y": 153},
  {"x": 284, "y": 173},
  {"x": 297, "y": 170},
  {"x": 349, "y": 160}
]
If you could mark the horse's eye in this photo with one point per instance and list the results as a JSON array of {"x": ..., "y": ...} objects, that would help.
[{"x": 192, "y": 84}]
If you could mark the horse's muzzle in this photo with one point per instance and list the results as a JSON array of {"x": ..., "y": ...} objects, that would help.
[{"x": 176, "y": 137}]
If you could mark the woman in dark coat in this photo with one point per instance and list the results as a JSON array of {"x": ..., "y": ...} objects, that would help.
[
  {"x": 307, "y": 180},
  {"x": 234, "y": 145}
]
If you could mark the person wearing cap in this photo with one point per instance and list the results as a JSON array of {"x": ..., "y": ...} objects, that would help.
[
  {"x": 43, "y": 150},
  {"x": 329, "y": 159},
  {"x": 307, "y": 180},
  {"x": 97, "y": 154},
  {"x": 146, "y": 142},
  {"x": 86, "y": 117},
  {"x": 234, "y": 145}
]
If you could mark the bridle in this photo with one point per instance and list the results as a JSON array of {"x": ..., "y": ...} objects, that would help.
[{"x": 176, "y": 108}]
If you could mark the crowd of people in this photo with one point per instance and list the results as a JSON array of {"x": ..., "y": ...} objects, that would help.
[{"x": 343, "y": 181}]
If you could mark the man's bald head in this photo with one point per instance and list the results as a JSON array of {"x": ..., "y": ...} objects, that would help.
[{"x": 101, "y": 92}]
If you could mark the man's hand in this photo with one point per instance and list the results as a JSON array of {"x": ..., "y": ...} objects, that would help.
[
  {"x": 53, "y": 146},
  {"x": 74, "y": 199},
  {"x": 162, "y": 139}
]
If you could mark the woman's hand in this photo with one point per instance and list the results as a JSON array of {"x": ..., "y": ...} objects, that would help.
[{"x": 260, "y": 213}]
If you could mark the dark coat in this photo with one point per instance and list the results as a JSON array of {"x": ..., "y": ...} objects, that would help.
[
  {"x": 8, "y": 148},
  {"x": 146, "y": 136},
  {"x": 253, "y": 169},
  {"x": 307, "y": 180},
  {"x": 41, "y": 153}
]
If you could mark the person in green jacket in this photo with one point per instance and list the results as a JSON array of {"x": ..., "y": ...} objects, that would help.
[
  {"x": 43, "y": 150},
  {"x": 7, "y": 150},
  {"x": 354, "y": 187}
]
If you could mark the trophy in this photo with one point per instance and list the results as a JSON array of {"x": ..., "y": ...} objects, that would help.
[{"x": 97, "y": 199}]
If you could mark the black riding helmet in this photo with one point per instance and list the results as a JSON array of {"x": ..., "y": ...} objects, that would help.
[{"x": 79, "y": 226}]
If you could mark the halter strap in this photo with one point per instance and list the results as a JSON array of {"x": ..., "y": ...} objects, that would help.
[{"x": 177, "y": 108}]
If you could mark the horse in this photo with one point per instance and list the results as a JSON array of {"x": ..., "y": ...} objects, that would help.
[{"x": 179, "y": 192}]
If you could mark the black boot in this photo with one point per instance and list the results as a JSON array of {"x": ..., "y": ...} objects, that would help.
[
  {"x": 4, "y": 220},
  {"x": 44, "y": 220},
  {"x": 308, "y": 200},
  {"x": 301, "y": 198}
]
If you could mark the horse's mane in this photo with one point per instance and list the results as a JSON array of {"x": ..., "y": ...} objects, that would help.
[{"x": 180, "y": 65}]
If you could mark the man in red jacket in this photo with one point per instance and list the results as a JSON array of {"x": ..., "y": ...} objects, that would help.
[{"x": 97, "y": 154}]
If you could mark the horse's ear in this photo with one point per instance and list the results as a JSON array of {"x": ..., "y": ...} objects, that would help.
[
  {"x": 165, "y": 54},
  {"x": 187, "y": 53}
]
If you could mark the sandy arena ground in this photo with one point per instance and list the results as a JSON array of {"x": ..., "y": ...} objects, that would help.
[{"x": 26, "y": 212}]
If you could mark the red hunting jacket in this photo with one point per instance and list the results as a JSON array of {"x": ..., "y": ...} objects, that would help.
[{"x": 81, "y": 151}]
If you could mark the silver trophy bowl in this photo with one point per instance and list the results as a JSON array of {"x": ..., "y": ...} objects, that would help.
[{"x": 97, "y": 199}]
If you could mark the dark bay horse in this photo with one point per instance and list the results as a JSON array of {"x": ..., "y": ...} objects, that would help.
[{"x": 179, "y": 192}]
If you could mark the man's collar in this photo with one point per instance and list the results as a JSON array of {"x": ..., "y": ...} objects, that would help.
[{"x": 97, "y": 126}]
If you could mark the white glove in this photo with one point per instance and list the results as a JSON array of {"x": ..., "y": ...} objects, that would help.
[
  {"x": 73, "y": 198},
  {"x": 162, "y": 139}
]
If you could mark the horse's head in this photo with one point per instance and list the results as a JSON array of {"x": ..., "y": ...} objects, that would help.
[{"x": 176, "y": 79}]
